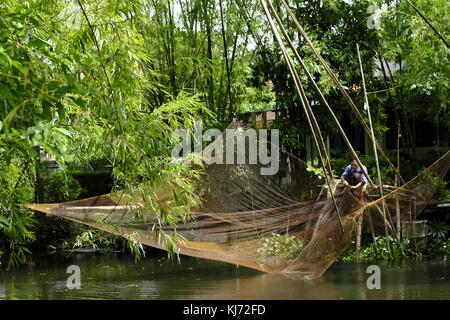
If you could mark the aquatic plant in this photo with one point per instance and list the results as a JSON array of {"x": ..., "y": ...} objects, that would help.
[
  {"x": 284, "y": 247},
  {"x": 439, "y": 246},
  {"x": 381, "y": 252}
]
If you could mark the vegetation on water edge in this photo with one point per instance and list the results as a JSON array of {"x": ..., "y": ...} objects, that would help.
[
  {"x": 370, "y": 252},
  {"x": 438, "y": 244}
]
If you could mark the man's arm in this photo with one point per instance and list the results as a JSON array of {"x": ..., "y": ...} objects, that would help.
[
  {"x": 344, "y": 182},
  {"x": 344, "y": 176},
  {"x": 359, "y": 185}
]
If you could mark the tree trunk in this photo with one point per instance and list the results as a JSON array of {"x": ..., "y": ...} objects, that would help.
[
  {"x": 225, "y": 53},
  {"x": 210, "y": 80}
]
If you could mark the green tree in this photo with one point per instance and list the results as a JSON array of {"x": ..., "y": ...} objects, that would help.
[
  {"x": 421, "y": 83},
  {"x": 74, "y": 81}
]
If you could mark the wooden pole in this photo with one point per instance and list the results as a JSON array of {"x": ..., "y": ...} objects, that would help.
[
  {"x": 386, "y": 222},
  {"x": 320, "y": 95},
  {"x": 309, "y": 114},
  {"x": 333, "y": 77},
  {"x": 315, "y": 127},
  {"x": 372, "y": 231},
  {"x": 397, "y": 204},
  {"x": 225, "y": 53},
  {"x": 359, "y": 221},
  {"x": 317, "y": 135},
  {"x": 367, "y": 107}
]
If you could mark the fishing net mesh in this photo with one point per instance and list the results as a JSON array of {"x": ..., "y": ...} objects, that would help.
[{"x": 284, "y": 223}]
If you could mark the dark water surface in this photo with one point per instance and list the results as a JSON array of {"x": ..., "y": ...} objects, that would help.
[{"x": 117, "y": 276}]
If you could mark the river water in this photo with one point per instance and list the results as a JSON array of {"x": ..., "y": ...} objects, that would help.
[{"x": 117, "y": 276}]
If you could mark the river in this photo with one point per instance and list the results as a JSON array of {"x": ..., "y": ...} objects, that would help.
[{"x": 118, "y": 276}]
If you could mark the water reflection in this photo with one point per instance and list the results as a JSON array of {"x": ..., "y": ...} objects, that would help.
[{"x": 116, "y": 276}]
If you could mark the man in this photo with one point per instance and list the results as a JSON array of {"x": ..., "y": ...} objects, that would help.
[{"x": 353, "y": 177}]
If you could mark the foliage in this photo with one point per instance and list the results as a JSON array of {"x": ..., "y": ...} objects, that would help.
[
  {"x": 170, "y": 242},
  {"x": 61, "y": 186},
  {"x": 424, "y": 56},
  {"x": 15, "y": 222},
  {"x": 105, "y": 241},
  {"x": 17, "y": 232},
  {"x": 282, "y": 246},
  {"x": 335, "y": 27},
  {"x": 75, "y": 79},
  {"x": 387, "y": 173},
  {"x": 254, "y": 99},
  {"x": 135, "y": 247},
  {"x": 92, "y": 238},
  {"x": 421, "y": 81},
  {"x": 4, "y": 223},
  {"x": 381, "y": 253},
  {"x": 438, "y": 229},
  {"x": 439, "y": 246},
  {"x": 442, "y": 191}
]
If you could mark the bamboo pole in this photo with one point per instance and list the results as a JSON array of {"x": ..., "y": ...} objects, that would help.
[
  {"x": 333, "y": 77},
  {"x": 320, "y": 95},
  {"x": 387, "y": 223},
  {"x": 372, "y": 231},
  {"x": 367, "y": 107},
  {"x": 359, "y": 221},
  {"x": 304, "y": 103},
  {"x": 225, "y": 53},
  {"x": 314, "y": 121},
  {"x": 209, "y": 55},
  {"x": 397, "y": 204},
  {"x": 319, "y": 143}
]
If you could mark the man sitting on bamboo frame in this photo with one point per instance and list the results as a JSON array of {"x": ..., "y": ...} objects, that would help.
[{"x": 354, "y": 178}]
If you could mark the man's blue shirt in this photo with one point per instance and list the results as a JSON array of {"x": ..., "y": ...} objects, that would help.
[{"x": 349, "y": 175}]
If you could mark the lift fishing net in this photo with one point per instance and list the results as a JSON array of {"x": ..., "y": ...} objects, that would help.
[{"x": 284, "y": 223}]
